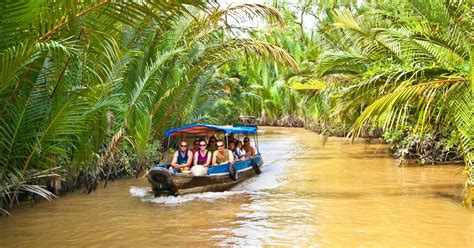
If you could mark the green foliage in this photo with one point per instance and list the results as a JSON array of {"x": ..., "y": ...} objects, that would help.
[
  {"x": 426, "y": 148},
  {"x": 372, "y": 67},
  {"x": 404, "y": 65},
  {"x": 87, "y": 89}
]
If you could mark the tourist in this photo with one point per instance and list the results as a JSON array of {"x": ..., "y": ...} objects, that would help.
[
  {"x": 230, "y": 139},
  {"x": 202, "y": 156},
  {"x": 182, "y": 158},
  {"x": 212, "y": 144},
  {"x": 232, "y": 149},
  {"x": 249, "y": 150},
  {"x": 238, "y": 151},
  {"x": 195, "y": 146},
  {"x": 222, "y": 155}
]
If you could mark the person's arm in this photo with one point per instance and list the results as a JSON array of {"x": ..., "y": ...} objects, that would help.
[
  {"x": 252, "y": 151},
  {"x": 208, "y": 162},
  {"x": 235, "y": 154},
  {"x": 196, "y": 158},
  {"x": 231, "y": 156},
  {"x": 241, "y": 154},
  {"x": 214, "y": 158},
  {"x": 190, "y": 159},
  {"x": 174, "y": 162}
]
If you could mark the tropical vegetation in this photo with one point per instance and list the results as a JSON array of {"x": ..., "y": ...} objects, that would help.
[
  {"x": 87, "y": 88},
  {"x": 400, "y": 70}
]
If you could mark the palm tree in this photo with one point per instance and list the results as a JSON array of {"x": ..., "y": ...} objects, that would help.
[
  {"x": 53, "y": 85},
  {"x": 407, "y": 65},
  {"x": 79, "y": 81}
]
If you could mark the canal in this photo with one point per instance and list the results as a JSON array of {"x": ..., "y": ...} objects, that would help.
[{"x": 339, "y": 194}]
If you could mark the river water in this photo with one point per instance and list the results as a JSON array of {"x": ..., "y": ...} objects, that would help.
[{"x": 308, "y": 195}]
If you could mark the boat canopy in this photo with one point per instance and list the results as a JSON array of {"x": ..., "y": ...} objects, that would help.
[{"x": 205, "y": 129}]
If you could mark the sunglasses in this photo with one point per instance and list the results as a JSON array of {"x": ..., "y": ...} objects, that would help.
[
  {"x": 221, "y": 146},
  {"x": 201, "y": 145},
  {"x": 183, "y": 146},
  {"x": 212, "y": 141}
]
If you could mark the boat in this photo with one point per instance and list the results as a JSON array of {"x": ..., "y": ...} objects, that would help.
[
  {"x": 246, "y": 120},
  {"x": 218, "y": 178}
]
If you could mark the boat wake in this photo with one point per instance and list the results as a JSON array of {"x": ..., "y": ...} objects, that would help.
[
  {"x": 146, "y": 196},
  {"x": 272, "y": 177}
]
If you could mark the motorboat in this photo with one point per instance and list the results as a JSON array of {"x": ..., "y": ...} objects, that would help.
[{"x": 218, "y": 177}]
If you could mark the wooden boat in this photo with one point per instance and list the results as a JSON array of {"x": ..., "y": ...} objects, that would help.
[{"x": 218, "y": 178}]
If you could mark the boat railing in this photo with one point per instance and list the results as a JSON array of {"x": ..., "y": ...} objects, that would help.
[{"x": 224, "y": 168}]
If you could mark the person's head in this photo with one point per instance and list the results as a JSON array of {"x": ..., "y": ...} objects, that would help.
[
  {"x": 196, "y": 144},
  {"x": 183, "y": 145},
  {"x": 202, "y": 144},
  {"x": 220, "y": 145},
  {"x": 246, "y": 141},
  {"x": 231, "y": 145},
  {"x": 212, "y": 141},
  {"x": 238, "y": 144}
]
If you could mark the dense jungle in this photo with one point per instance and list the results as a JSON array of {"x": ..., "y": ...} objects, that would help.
[{"x": 87, "y": 88}]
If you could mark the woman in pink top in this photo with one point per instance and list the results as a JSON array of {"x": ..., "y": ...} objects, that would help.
[{"x": 202, "y": 156}]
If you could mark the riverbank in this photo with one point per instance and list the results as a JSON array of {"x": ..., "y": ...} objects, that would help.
[{"x": 407, "y": 149}]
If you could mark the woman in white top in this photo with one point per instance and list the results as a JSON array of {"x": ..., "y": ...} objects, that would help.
[{"x": 239, "y": 153}]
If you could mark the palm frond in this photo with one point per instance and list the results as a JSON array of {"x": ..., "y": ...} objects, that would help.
[
  {"x": 249, "y": 11},
  {"x": 391, "y": 106},
  {"x": 16, "y": 18}
]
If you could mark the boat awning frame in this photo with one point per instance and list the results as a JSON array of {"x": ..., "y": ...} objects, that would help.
[{"x": 206, "y": 130}]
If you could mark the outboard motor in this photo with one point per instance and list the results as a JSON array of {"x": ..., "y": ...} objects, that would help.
[{"x": 161, "y": 181}]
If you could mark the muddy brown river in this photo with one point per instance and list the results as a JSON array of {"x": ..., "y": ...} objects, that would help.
[{"x": 308, "y": 195}]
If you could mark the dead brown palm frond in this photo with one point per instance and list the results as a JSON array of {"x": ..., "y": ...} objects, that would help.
[{"x": 14, "y": 184}]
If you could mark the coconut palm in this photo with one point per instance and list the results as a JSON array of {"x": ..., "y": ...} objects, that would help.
[
  {"x": 77, "y": 85},
  {"x": 55, "y": 83},
  {"x": 408, "y": 65}
]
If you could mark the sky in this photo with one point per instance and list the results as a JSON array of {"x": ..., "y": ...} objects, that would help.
[{"x": 225, "y": 3}]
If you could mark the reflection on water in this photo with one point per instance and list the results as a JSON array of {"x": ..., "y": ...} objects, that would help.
[
  {"x": 272, "y": 219},
  {"x": 307, "y": 195}
]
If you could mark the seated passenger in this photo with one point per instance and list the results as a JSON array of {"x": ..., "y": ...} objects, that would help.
[
  {"x": 232, "y": 149},
  {"x": 249, "y": 150},
  {"x": 222, "y": 155},
  {"x": 195, "y": 146},
  {"x": 212, "y": 144},
  {"x": 231, "y": 138},
  {"x": 238, "y": 151},
  {"x": 203, "y": 156},
  {"x": 182, "y": 158}
]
